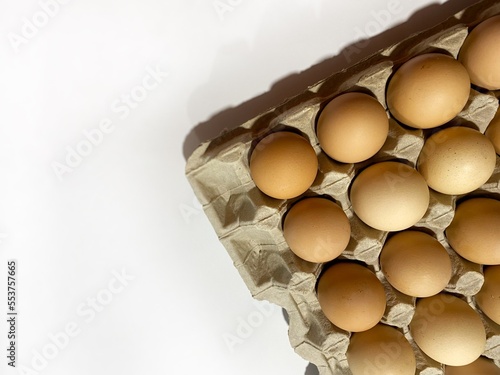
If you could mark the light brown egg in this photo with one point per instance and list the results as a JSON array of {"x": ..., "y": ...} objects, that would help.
[
  {"x": 481, "y": 366},
  {"x": 352, "y": 127},
  {"x": 427, "y": 91},
  {"x": 457, "y": 160},
  {"x": 474, "y": 232},
  {"x": 480, "y": 54},
  {"x": 488, "y": 298},
  {"x": 351, "y": 297},
  {"x": 493, "y": 132},
  {"x": 416, "y": 264},
  {"x": 448, "y": 330},
  {"x": 389, "y": 196},
  {"x": 316, "y": 229},
  {"x": 283, "y": 165},
  {"x": 382, "y": 350}
]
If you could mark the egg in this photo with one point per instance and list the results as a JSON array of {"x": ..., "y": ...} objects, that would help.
[
  {"x": 457, "y": 160},
  {"x": 488, "y": 298},
  {"x": 474, "y": 232},
  {"x": 382, "y": 350},
  {"x": 493, "y": 132},
  {"x": 283, "y": 165},
  {"x": 416, "y": 264},
  {"x": 428, "y": 91},
  {"x": 352, "y": 127},
  {"x": 481, "y": 366},
  {"x": 316, "y": 229},
  {"x": 448, "y": 330},
  {"x": 480, "y": 54},
  {"x": 351, "y": 296},
  {"x": 389, "y": 196}
]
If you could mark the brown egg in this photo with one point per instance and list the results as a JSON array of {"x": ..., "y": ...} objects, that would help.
[
  {"x": 352, "y": 127},
  {"x": 488, "y": 298},
  {"x": 351, "y": 297},
  {"x": 493, "y": 132},
  {"x": 481, "y": 366},
  {"x": 283, "y": 165},
  {"x": 474, "y": 232},
  {"x": 457, "y": 160},
  {"x": 317, "y": 229},
  {"x": 427, "y": 91},
  {"x": 416, "y": 264},
  {"x": 382, "y": 350},
  {"x": 480, "y": 54},
  {"x": 448, "y": 330},
  {"x": 389, "y": 196}
]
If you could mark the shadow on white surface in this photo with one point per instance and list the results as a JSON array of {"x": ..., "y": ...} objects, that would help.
[
  {"x": 311, "y": 370},
  {"x": 294, "y": 84}
]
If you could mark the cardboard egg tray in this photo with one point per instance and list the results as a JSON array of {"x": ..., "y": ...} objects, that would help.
[{"x": 249, "y": 223}]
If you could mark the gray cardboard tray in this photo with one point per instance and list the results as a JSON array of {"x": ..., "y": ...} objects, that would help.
[{"x": 248, "y": 223}]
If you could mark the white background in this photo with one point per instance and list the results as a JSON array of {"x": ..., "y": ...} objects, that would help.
[{"x": 125, "y": 206}]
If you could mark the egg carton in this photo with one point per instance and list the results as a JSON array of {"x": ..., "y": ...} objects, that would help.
[{"x": 249, "y": 223}]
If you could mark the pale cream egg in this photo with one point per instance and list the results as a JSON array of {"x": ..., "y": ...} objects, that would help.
[
  {"x": 389, "y": 196},
  {"x": 457, "y": 160}
]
